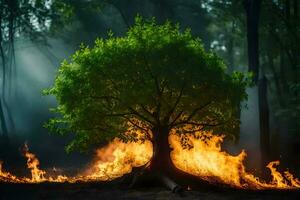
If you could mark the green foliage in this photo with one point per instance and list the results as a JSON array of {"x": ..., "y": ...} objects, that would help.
[{"x": 156, "y": 74}]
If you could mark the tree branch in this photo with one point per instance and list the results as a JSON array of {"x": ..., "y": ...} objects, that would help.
[
  {"x": 136, "y": 125},
  {"x": 167, "y": 117},
  {"x": 192, "y": 114},
  {"x": 140, "y": 115}
]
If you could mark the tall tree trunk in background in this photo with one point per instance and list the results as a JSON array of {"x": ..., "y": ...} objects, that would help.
[
  {"x": 275, "y": 77},
  {"x": 3, "y": 62},
  {"x": 283, "y": 70},
  {"x": 271, "y": 45},
  {"x": 296, "y": 9},
  {"x": 230, "y": 47},
  {"x": 253, "y": 12},
  {"x": 264, "y": 120},
  {"x": 3, "y": 126},
  {"x": 287, "y": 7},
  {"x": 231, "y": 61}
]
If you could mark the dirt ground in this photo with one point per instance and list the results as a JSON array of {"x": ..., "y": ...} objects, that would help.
[{"x": 47, "y": 191}]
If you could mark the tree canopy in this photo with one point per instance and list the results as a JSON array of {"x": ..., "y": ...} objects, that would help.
[{"x": 154, "y": 76}]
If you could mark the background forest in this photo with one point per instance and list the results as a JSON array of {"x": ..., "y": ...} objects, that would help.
[{"x": 261, "y": 36}]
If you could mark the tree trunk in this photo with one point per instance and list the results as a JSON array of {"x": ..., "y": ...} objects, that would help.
[
  {"x": 161, "y": 161},
  {"x": 162, "y": 171},
  {"x": 163, "y": 167},
  {"x": 283, "y": 71},
  {"x": 264, "y": 121},
  {"x": 287, "y": 8},
  {"x": 276, "y": 78},
  {"x": 296, "y": 9},
  {"x": 4, "y": 139},
  {"x": 231, "y": 48},
  {"x": 252, "y": 11}
]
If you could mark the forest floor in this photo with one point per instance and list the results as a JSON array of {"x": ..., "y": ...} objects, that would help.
[{"x": 86, "y": 191}]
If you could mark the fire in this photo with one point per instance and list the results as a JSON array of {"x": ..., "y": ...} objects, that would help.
[
  {"x": 33, "y": 163},
  {"x": 37, "y": 175},
  {"x": 113, "y": 161},
  {"x": 199, "y": 154},
  {"x": 204, "y": 158},
  {"x": 118, "y": 158},
  {"x": 6, "y": 176}
]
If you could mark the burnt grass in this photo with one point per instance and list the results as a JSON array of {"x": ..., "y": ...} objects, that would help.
[{"x": 112, "y": 190}]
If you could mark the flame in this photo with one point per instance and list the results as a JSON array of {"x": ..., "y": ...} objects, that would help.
[
  {"x": 33, "y": 163},
  {"x": 204, "y": 158},
  {"x": 199, "y": 154},
  {"x": 6, "y": 176},
  {"x": 118, "y": 158},
  {"x": 113, "y": 161}
]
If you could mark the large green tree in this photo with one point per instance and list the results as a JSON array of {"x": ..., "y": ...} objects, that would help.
[{"x": 155, "y": 79}]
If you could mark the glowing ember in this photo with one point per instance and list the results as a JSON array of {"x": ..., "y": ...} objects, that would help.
[{"x": 199, "y": 154}]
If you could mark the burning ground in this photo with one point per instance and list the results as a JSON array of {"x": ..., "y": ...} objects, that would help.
[{"x": 199, "y": 154}]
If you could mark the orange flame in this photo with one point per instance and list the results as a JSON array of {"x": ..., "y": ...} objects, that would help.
[
  {"x": 199, "y": 154},
  {"x": 33, "y": 163},
  {"x": 118, "y": 158},
  {"x": 206, "y": 160},
  {"x": 6, "y": 176}
]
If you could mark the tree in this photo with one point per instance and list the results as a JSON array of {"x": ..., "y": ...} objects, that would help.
[
  {"x": 155, "y": 79},
  {"x": 280, "y": 28}
]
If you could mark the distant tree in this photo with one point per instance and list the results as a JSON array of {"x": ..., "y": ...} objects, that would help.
[
  {"x": 155, "y": 79},
  {"x": 31, "y": 20},
  {"x": 253, "y": 10},
  {"x": 18, "y": 19},
  {"x": 280, "y": 28}
]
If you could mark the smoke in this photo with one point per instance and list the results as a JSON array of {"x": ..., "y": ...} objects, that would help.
[
  {"x": 36, "y": 67},
  {"x": 249, "y": 136}
]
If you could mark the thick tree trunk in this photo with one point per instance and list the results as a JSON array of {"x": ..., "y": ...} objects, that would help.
[
  {"x": 252, "y": 11},
  {"x": 264, "y": 121},
  {"x": 164, "y": 169},
  {"x": 161, "y": 161}
]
